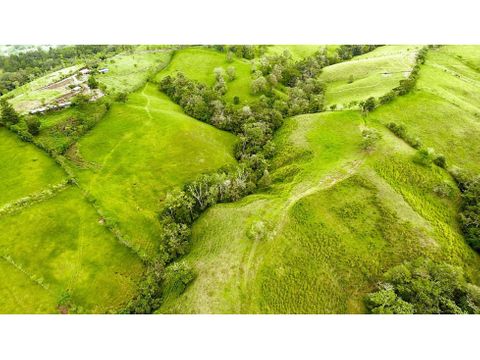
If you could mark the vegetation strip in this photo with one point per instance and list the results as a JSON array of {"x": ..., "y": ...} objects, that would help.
[{"x": 31, "y": 199}]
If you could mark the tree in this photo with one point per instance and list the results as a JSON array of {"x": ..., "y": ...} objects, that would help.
[
  {"x": 92, "y": 82},
  {"x": 9, "y": 115},
  {"x": 368, "y": 105},
  {"x": 470, "y": 211},
  {"x": 229, "y": 56},
  {"x": 231, "y": 73},
  {"x": 33, "y": 125},
  {"x": 440, "y": 161},
  {"x": 259, "y": 85},
  {"x": 370, "y": 137},
  {"x": 236, "y": 100}
]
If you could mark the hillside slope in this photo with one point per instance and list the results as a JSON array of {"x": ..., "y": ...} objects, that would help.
[{"x": 336, "y": 217}]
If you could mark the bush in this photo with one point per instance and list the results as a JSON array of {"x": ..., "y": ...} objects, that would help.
[
  {"x": 424, "y": 157},
  {"x": 440, "y": 161},
  {"x": 401, "y": 132},
  {"x": 425, "y": 287},
  {"x": 149, "y": 292},
  {"x": 33, "y": 125},
  {"x": 177, "y": 277},
  {"x": 122, "y": 97},
  {"x": 370, "y": 137}
]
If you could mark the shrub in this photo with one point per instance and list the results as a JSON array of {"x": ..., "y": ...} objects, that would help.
[
  {"x": 424, "y": 157},
  {"x": 177, "y": 277},
  {"x": 370, "y": 137},
  {"x": 122, "y": 97},
  {"x": 440, "y": 161},
  {"x": 33, "y": 125}
]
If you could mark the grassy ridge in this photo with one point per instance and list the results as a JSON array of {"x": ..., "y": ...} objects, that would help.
[
  {"x": 444, "y": 111},
  {"x": 372, "y": 74}
]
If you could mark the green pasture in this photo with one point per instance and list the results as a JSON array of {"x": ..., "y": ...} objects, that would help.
[
  {"x": 138, "y": 152},
  {"x": 60, "y": 246},
  {"x": 24, "y": 169}
]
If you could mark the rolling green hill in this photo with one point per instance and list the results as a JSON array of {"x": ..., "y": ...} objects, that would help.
[{"x": 332, "y": 218}]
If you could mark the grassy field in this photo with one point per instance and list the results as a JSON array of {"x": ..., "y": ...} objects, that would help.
[
  {"x": 59, "y": 246},
  {"x": 138, "y": 152},
  {"x": 199, "y": 64},
  {"x": 372, "y": 74},
  {"x": 24, "y": 169},
  {"x": 129, "y": 71}
]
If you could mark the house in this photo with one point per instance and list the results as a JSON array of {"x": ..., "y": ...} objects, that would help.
[
  {"x": 103, "y": 71},
  {"x": 77, "y": 88},
  {"x": 84, "y": 71},
  {"x": 38, "y": 110},
  {"x": 64, "y": 104}
]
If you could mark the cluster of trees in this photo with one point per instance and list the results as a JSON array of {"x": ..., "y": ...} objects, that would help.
[
  {"x": 254, "y": 124},
  {"x": 242, "y": 51},
  {"x": 346, "y": 52},
  {"x": 425, "y": 287},
  {"x": 183, "y": 207},
  {"x": 21, "y": 68},
  {"x": 469, "y": 215},
  {"x": 401, "y": 131}
]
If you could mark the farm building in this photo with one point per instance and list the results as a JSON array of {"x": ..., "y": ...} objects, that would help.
[{"x": 103, "y": 71}]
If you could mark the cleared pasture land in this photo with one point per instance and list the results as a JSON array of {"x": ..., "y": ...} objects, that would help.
[
  {"x": 199, "y": 64},
  {"x": 137, "y": 153},
  {"x": 24, "y": 169},
  {"x": 59, "y": 246},
  {"x": 372, "y": 74},
  {"x": 335, "y": 219},
  {"x": 129, "y": 71}
]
